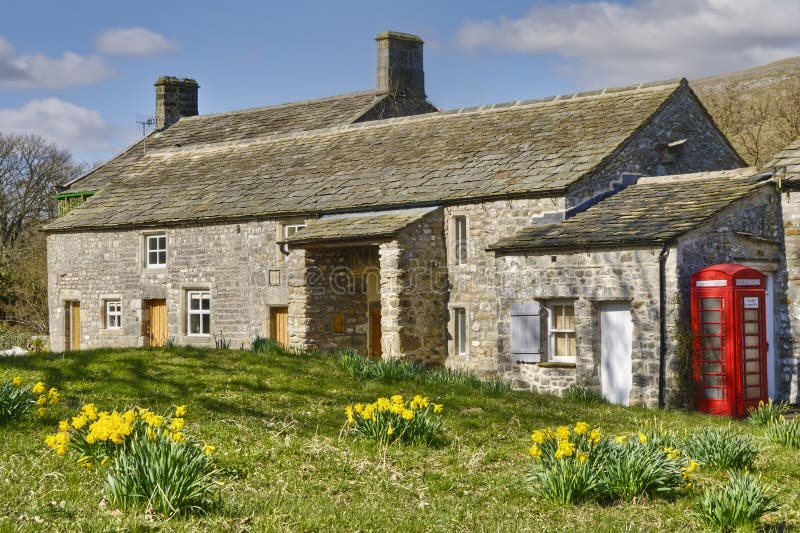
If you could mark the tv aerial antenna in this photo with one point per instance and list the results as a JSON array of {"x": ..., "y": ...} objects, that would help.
[{"x": 146, "y": 123}]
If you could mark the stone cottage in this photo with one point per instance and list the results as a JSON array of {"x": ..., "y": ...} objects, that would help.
[{"x": 375, "y": 222}]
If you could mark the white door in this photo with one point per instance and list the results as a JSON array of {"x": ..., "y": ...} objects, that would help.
[
  {"x": 769, "y": 317},
  {"x": 616, "y": 339}
]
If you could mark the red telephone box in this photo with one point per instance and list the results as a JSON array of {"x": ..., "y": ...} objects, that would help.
[{"x": 729, "y": 365}]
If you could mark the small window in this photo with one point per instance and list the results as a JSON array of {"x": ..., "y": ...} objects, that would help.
[
  {"x": 460, "y": 330},
  {"x": 199, "y": 313},
  {"x": 562, "y": 332},
  {"x": 460, "y": 232},
  {"x": 113, "y": 314},
  {"x": 288, "y": 231},
  {"x": 156, "y": 253}
]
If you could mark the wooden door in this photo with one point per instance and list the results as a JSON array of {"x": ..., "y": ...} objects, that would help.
[
  {"x": 72, "y": 327},
  {"x": 157, "y": 335},
  {"x": 279, "y": 325},
  {"x": 375, "y": 329},
  {"x": 616, "y": 343}
]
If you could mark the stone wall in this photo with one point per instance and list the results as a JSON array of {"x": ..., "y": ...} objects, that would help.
[
  {"x": 587, "y": 279},
  {"x": 646, "y": 152},
  {"x": 790, "y": 208},
  {"x": 473, "y": 285},
  {"x": 232, "y": 261},
  {"x": 414, "y": 292}
]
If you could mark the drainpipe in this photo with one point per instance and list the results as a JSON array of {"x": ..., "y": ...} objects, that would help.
[{"x": 662, "y": 318}]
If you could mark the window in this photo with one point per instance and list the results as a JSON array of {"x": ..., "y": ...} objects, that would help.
[
  {"x": 113, "y": 314},
  {"x": 156, "y": 253},
  {"x": 460, "y": 330},
  {"x": 199, "y": 315},
  {"x": 460, "y": 232},
  {"x": 288, "y": 231},
  {"x": 562, "y": 332}
]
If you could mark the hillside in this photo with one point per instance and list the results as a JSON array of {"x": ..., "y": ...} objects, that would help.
[
  {"x": 277, "y": 422},
  {"x": 757, "y": 108}
]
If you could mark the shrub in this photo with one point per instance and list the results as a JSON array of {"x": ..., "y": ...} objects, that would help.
[
  {"x": 742, "y": 502},
  {"x": 583, "y": 395},
  {"x": 151, "y": 459},
  {"x": 388, "y": 420},
  {"x": 767, "y": 413},
  {"x": 722, "y": 448},
  {"x": 575, "y": 464},
  {"x": 13, "y": 336},
  {"x": 786, "y": 432},
  {"x": 16, "y": 398},
  {"x": 160, "y": 473}
]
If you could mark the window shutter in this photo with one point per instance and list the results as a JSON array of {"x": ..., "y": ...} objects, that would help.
[{"x": 526, "y": 332}]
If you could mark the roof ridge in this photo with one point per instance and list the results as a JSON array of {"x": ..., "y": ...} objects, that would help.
[{"x": 283, "y": 105}]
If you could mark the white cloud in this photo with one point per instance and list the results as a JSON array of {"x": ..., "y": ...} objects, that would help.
[
  {"x": 81, "y": 130},
  {"x": 606, "y": 42},
  {"x": 39, "y": 71},
  {"x": 132, "y": 42}
]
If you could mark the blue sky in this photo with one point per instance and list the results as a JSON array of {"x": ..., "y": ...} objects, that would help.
[{"x": 80, "y": 72}]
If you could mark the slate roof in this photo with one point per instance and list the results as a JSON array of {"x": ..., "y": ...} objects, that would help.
[
  {"x": 237, "y": 126},
  {"x": 788, "y": 159},
  {"x": 656, "y": 210},
  {"x": 355, "y": 226},
  {"x": 519, "y": 149}
]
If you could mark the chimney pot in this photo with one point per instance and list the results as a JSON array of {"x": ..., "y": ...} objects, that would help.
[
  {"x": 400, "y": 71},
  {"x": 175, "y": 98}
]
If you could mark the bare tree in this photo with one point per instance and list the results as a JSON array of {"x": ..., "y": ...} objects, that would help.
[{"x": 30, "y": 168}]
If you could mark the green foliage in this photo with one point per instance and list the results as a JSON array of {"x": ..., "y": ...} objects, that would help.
[
  {"x": 566, "y": 482},
  {"x": 395, "y": 420},
  {"x": 15, "y": 400},
  {"x": 637, "y": 468},
  {"x": 786, "y": 432},
  {"x": 767, "y": 413},
  {"x": 264, "y": 345},
  {"x": 722, "y": 448},
  {"x": 740, "y": 503},
  {"x": 583, "y": 395},
  {"x": 221, "y": 342},
  {"x": 159, "y": 473},
  {"x": 396, "y": 370},
  {"x": 13, "y": 336}
]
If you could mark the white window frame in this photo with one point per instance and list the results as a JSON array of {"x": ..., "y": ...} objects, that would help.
[
  {"x": 460, "y": 331},
  {"x": 552, "y": 331},
  {"x": 460, "y": 242},
  {"x": 200, "y": 312},
  {"x": 155, "y": 237},
  {"x": 113, "y": 309},
  {"x": 285, "y": 233}
]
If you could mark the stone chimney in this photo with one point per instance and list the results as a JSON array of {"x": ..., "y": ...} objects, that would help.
[
  {"x": 175, "y": 98},
  {"x": 400, "y": 65}
]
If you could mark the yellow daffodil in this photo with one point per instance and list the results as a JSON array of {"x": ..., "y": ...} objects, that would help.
[
  {"x": 538, "y": 436},
  {"x": 437, "y": 408},
  {"x": 53, "y": 396},
  {"x": 563, "y": 432},
  {"x": 390, "y": 430},
  {"x": 180, "y": 411},
  {"x": 42, "y": 400},
  {"x": 209, "y": 449},
  {"x": 535, "y": 451},
  {"x": 565, "y": 449},
  {"x": 622, "y": 439},
  {"x": 17, "y": 381},
  {"x": 79, "y": 421},
  {"x": 63, "y": 425},
  {"x": 642, "y": 437},
  {"x": 581, "y": 428},
  {"x": 594, "y": 436},
  {"x": 177, "y": 424},
  {"x": 582, "y": 457},
  {"x": 41, "y": 411},
  {"x": 38, "y": 388}
]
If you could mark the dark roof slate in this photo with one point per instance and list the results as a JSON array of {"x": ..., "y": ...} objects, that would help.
[
  {"x": 655, "y": 210},
  {"x": 525, "y": 148},
  {"x": 788, "y": 160},
  {"x": 354, "y": 226}
]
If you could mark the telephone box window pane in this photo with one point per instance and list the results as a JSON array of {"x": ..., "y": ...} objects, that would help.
[
  {"x": 712, "y": 367},
  {"x": 751, "y": 340},
  {"x": 753, "y": 379},
  {"x": 751, "y": 315},
  {"x": 711, "y": 303},
  {"x": 714, "y": 381},
  {"x": 712, "y": 342},
  {"x": 751, "y": 327},
  {"x": 752, "y": 366},
  {"x": 753, "y": 392},
  {"x": 712, "y": 316},
  {"x": 713, "y": 355},
  {"x": 714, "y": 394},
  {"x": 712, "y": 329},
  {"x": 752, "y": 353}
]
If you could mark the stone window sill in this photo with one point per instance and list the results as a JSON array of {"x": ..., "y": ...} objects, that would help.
[{"x": 556, "y": 365}]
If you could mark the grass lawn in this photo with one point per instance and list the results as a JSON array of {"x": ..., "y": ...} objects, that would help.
[{"x": 277, "y": 421}]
